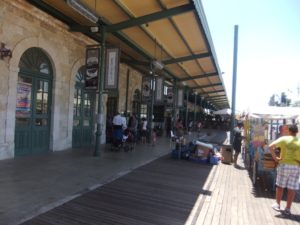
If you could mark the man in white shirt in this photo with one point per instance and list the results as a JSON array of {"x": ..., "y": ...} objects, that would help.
[{"x": 119, "y": 121}]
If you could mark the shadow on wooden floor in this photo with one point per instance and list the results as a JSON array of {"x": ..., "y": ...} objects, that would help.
[{"x": 161, "y": 192}]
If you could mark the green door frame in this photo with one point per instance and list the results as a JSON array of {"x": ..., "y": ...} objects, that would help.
[
  {"x": 33, "y": 112},
  {"x": 83, "y": 119},
  {"x": 34, "y": 138}
]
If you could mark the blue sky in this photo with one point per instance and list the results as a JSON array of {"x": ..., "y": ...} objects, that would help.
[{"x": 268, "y": 47}]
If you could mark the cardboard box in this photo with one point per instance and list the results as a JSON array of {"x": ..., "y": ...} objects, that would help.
[
  {"x": 226, "y": 155},
  {"x": 203, "y": 149},
  {"x": 203, "y": 152}
]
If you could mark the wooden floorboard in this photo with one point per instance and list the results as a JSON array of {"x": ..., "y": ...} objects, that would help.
[{"x": 175, "y": 192}]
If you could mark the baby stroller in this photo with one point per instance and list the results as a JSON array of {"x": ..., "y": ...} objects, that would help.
[
  {"x": 121, "y": 140},
  {"x": 128, "y": 140}
]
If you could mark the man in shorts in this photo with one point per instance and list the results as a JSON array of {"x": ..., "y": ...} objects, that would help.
[{"x": 288, "y": 170}]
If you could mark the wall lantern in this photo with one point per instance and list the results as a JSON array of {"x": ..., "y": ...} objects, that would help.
[{"x": 5, "y": 52}]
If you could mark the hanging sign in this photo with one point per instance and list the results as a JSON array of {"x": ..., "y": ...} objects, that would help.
[
  {"x": 146, "y": 88},
  {"x": 180, "y": 97},
  {"x": 92, "y": 68},
  {"x": 112, "y": 68},
  {"x": 159, "y": 89},
  {"x": 170, "y": 96}
]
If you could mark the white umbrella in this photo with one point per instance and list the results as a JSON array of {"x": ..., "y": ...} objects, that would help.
[
  {"x": 223, "y": 112},
  {"x": 276, "y": 113}
]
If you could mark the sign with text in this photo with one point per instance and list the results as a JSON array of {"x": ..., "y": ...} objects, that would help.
[
  {"x": 92, "y": 68},
  {"x": 180, "y": 97},
  {"x": 112, "y": 68},
  {"x": 159, "y": 90},
  {"x": 258, "y": 135},
  {"x": 146, "y": 88},
  {"x": 23, "y": 105},
  {"x": 170, "y": 96}
]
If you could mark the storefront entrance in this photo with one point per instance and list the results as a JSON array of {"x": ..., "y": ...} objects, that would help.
[
  {"x": 33, "y": 104},
  {"x": 83, "y": 113}
]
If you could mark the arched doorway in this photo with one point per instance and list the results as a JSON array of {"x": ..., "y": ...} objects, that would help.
[
  {"x": 33, "y": 103},
  {"x": 83, "y": 113}
]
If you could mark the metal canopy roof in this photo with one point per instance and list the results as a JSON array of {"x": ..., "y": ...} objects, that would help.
[{"x": 173, "y": 32}]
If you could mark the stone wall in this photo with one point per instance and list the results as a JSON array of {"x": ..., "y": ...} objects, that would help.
[
  {"x": 135, "y": 81},
  {"x": 23, "y": 26}
]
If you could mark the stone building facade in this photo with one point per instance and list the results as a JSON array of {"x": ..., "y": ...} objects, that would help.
[{"x": 23, "y": 28}]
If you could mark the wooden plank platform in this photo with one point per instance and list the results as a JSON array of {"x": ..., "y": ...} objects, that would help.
[{"x": 171, "y": 192}]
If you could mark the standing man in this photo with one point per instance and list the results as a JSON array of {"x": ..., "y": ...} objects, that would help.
[
  {"x": 132, "y": 125},
  {"x": 288, "y": 171},
  {"x": 119, "y": 121},
  {"x": 179, "y": 128},
  {"x": 237, "y": 142}
]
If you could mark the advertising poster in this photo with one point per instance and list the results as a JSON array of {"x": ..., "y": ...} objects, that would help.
[
  {"x": 112, "y": 68},
  {"x": 92, "y": 68},
  {"x": 146, "y": 88},
  {"x": 159, "y": 88},
  {"x": 23, "y": 104},
  {"x": 180, "y": 98},
  {"x": 258, "y": 135},
  {"x": 170, "y": 96}
]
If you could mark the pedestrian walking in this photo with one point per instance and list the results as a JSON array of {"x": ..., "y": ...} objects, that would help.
[
  {"x": 133, "y": 126},
  {"x": 179, "y": 128},
  {"x": 237, "y": 142},
  {"x": 288, "y": 171},
  {"x": 153, "y": 137}
]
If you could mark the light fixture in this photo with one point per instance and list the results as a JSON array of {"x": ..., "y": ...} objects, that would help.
[
  {"x": 4, "y": 52},
  {"x": 83, "y": 10},
  {"x": 158, "y": 65},
  {"x": 169, "y": 83},
  {"x": 94, "y": 29}
]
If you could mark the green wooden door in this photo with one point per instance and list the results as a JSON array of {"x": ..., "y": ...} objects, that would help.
[
  {"x": 33, "y": 104},
  {"x": 83, "y": 111}
]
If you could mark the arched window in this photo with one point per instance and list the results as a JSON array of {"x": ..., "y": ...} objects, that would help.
[
  {"x": 35, "y": 60},
  {"x": 79, "y": 77}
]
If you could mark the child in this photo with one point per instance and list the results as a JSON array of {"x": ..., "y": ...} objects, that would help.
[
  {"x": 144, "y": 130},
  {"x": 153, "y": 137}
]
